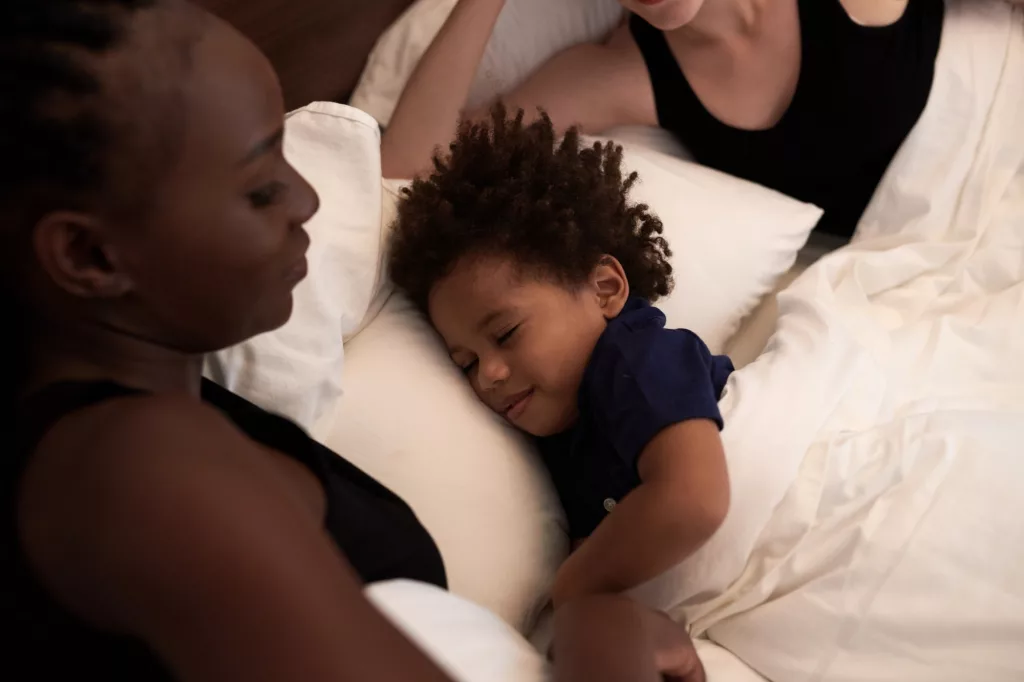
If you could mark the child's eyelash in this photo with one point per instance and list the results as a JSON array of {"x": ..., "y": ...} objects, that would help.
[
  {"x": 501, "y": 340},
  {"x": 507, "y": 335}
]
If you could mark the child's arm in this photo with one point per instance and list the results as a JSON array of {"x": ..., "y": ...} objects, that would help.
[{"x": 681, "y": 503}]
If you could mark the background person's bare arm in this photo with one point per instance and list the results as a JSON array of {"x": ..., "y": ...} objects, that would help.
[
  {"x": 428, "y": 112},
  {"x": 593, "y": 86}
]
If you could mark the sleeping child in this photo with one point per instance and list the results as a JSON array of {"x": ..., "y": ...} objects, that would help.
[{"x": 539, "y": 274}]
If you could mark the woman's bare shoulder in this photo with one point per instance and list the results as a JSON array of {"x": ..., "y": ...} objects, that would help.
[
  {"x": 875, "y": 12},
  {"x": 123, "y": 474},
  {"x": 173, "y": 527}
]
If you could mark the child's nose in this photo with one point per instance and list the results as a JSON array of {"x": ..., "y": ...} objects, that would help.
[{"x": 493, "y": 371}]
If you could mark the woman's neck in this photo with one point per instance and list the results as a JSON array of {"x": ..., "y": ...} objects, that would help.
[
  {"x": 97, "y": 353},
  {"x": 719, "y": 20}
]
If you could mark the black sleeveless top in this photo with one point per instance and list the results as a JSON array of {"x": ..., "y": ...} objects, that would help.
[
  {"x": 860, "y": 91},
  {"x": 377, "y": 532}
]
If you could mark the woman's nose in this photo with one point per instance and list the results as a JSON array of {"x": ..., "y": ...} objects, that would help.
[
  {"x": 307, "y": 201},
  {"x": 494, "y": 371}
]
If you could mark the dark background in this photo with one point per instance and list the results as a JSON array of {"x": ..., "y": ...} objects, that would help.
[{"x": 318, "y": 47}]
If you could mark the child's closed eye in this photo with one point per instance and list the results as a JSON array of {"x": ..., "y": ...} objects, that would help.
[
  {"x": 469, "y": 367},
  {"x": 504, "y": 338}
]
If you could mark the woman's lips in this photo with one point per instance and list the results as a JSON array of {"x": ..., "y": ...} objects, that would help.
[{"x": 297, "y": 272}]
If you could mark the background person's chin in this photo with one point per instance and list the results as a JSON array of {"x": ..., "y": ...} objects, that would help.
[{"x": 671, "y": 14}]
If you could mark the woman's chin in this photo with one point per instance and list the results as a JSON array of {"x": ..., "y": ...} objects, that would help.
[{"x": 274, "y": 316}]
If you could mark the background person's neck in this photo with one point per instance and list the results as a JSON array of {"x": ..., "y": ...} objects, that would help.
[{"x": 720, "y": 20}]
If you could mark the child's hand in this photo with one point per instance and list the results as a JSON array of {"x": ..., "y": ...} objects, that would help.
[
  {"x": 674, "y": 653},
  {"x": 610, "y": 639}
]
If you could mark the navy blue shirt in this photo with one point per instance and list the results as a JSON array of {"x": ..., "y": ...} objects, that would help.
[{"x": 640, "y": 379}]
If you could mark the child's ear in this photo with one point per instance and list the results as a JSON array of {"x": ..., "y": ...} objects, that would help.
[{"x": 609, "y": 283}]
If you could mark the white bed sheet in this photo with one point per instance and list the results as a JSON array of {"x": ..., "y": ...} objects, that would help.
[
  {"x": 721, "y": 665},
  {"x": 892, "y": 396}
]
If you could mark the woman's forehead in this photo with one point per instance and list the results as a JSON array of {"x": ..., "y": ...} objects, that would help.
[
  {"x": 232, "y": 98},
  {"x": 185, "y": 95}
]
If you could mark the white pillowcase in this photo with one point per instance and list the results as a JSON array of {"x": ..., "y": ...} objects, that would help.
[
  {"x": 409, "y": 419},
  {"x": 296, "y": 370},
  {"x": 527, "y": 34},
  {"x": 470, "y": 643},
  {"x": 731, "y": 239}
]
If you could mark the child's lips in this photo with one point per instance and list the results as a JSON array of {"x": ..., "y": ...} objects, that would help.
[{"x": 518, "y": 404}]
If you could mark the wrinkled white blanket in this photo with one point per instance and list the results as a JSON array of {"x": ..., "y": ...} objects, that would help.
[{"x": 881, "y": 435}]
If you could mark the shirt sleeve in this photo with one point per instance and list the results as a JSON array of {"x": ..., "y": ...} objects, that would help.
[{"x": 649, "y": 380}]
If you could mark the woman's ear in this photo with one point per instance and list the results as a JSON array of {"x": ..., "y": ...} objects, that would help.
[
  {"x": 610, "y": 286},
  {"x": 73, "y": 251}
]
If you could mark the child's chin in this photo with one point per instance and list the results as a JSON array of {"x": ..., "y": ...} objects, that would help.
[{"x": 545, "y": 430}]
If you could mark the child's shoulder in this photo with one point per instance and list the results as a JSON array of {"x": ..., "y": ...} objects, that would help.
[
  {"x": 642, "y": 376},
  {"x": 640, "y": 330}
]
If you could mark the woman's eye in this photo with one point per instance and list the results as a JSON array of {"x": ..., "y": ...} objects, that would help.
[
  {"x": 503, "y": 339},
  {"x": 466, "y": 369},
  {"x": 266, "y": 196}
]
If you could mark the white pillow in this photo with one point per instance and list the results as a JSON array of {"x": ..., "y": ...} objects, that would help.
[
  {"x": 527, "y": 34},
  {"x": 731, "y": 239},
  {"x": 296, "y": 370},
  {"x": 469, "y": 642},
  {"x": 409, "y": 419}
]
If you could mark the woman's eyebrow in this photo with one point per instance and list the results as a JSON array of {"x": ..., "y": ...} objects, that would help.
[{"x": 263, "y": 146}]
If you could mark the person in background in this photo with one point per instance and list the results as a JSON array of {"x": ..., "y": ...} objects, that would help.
[
  {"x": 156, "y": 526},
  {"x": 809, "y": 97}
]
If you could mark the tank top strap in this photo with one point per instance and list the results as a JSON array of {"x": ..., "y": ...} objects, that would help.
[
  {"x": 827, "y": 20},
  {"x": 834, "y": 42}
]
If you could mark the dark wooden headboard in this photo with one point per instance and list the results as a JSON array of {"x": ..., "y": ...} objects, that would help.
[{"x": 318, "y": 47}]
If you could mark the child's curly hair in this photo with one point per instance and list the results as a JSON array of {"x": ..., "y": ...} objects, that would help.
[{"x": 512, "y": 189}]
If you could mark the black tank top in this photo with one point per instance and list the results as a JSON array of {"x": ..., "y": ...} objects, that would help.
[
  {"x": 860, "y": 91},
  {"x": 377, "y": 532}
]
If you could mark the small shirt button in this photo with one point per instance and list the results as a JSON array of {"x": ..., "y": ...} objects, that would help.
[{"x": 609, "y": 505}]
